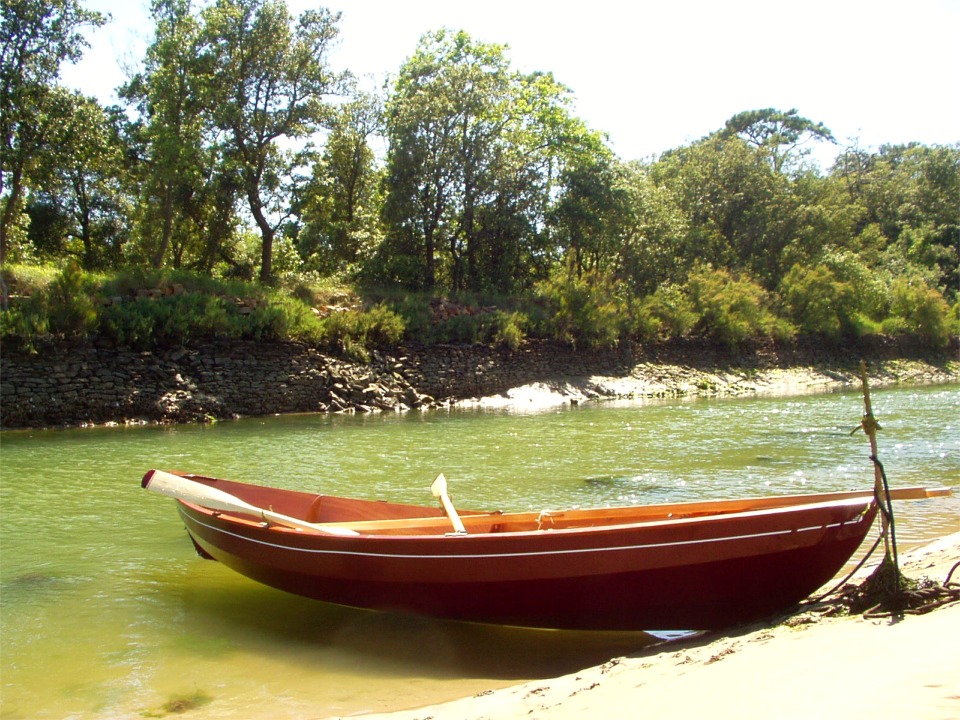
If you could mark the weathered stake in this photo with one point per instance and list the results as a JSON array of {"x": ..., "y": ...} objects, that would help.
[{"x": 870, "y": 426}]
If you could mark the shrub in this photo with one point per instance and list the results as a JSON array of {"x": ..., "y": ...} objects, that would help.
[
  {"x": 922, "y": 309},
  {"x": 414, "y": 310},
  {"x": 128, "y": 324},
  {"x": 356, "y": 332},
  {"x": 731, "y": 310},
  {"x": 668, "y": 312},
  {"x": 581, "y": 309},
  {"x": 167, "y": 320},
  {"x": 280, "y": 317},
  {"x": 71, "y": 303},
  {"x": 870, "y": 286},
  {"x": 23, "y": 322},
  {"x": 817, "y": 301},
  {"x": 510, "y": 329}
]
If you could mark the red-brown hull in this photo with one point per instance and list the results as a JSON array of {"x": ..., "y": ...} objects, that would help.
[{"x": 701, "y": 572}]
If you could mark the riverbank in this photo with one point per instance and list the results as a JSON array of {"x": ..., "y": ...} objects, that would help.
[
  {"x": 809, "y": 665},
  {"x": 86, "y": 384},
  {"x": 650, "y": 380}
]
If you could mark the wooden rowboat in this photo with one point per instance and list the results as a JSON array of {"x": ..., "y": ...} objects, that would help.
[{"x": 695, "y": 565}]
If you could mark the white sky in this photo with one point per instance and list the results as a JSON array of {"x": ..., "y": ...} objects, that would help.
[{"x": 657, "y": 75}]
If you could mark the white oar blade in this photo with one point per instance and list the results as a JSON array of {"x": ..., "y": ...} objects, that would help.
[
  {"x": 439, "y": 490},
  {"x": 182, "y": 488},
  {"x": 439, "y": 486}
]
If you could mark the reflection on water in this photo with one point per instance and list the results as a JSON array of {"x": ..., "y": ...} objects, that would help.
[{"x": 108, "y": 612}]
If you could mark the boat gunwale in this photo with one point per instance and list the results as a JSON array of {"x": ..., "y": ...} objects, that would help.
[{"x": 864, "y": 498}]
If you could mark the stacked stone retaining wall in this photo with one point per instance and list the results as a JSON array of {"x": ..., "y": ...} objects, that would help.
[{"x": 71, "y": 384}]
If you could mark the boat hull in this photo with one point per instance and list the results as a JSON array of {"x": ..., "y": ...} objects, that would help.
[{"x": 703, "y": 572}]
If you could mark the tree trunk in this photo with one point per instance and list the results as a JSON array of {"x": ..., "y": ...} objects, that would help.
[
  {"x": 167, "y": 212},
  {"x": 10, "y": 208},
  {"x": 266, "y": 233}
]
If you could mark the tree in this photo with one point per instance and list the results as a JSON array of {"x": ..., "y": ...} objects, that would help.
[
  {"x": 443, "y": 120},
  {"x": 737, "y": 208},
  {"x": 475, "y": 149},
  {"x": 588, "y": 213},
  {"x": 340, "y": 208},
  {"x": 267, "y": 81},
  {"x": 84, "y": 181},
  {"x": 36, "y": 38},
  {"x": 168, "y": 94},
  {"x": 651, "y": 232},
  {"x": 777, "y": 132}
]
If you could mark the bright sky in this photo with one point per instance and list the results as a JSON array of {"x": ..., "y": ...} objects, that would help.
[{"x": 657, "y": 75}]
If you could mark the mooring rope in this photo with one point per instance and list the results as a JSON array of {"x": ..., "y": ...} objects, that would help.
[{"x": 886, "y": 507}]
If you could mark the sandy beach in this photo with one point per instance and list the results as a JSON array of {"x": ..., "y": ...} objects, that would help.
[{"x": 810, "y": 664}]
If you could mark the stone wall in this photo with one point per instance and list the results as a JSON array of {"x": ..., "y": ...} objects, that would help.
[{"x": 85, "y": 383}]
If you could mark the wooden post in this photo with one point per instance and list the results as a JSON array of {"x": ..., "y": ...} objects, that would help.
[{"x": 870, "y": 426}]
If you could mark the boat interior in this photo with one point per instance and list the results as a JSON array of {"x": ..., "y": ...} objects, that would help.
[{"x": 351, "y": 516}]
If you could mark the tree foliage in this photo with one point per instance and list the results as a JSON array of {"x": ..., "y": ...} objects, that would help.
[
  {"x": 475, "y": 152},
  {"x": 239, "y": 150},
  {"x": 268, "y": 79},
  {"x": 36, "y": 38}
]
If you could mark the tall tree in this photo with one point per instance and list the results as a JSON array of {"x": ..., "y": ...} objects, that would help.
[
  {"x": 588, "y": 213},
  {"x": 168, "y": 95},
  {"x": 781, "y": 134},
  {"x": 84, "y": 181},
  {"x": 905, "y": 197},
  {"x": 650, "y": 232},
  {"x": 441, "y": 124},
  {"x": 739, "y": 210},
  {"x": 340, "y": 207},
  {"x": 268, "y": 82},
  {"x": 474, "y": 150},
  {"x": 36, "y": 38}
]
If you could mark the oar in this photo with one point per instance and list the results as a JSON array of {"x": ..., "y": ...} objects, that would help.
[
  {"x": 439, "y": 489},
  {"x": 183, "y": 488}
]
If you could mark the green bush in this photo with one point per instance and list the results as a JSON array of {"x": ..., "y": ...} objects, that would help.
[
  {"x": 510, "y": 329},
  {"x": 817, "y": 302},
  {"x": 581, "y": 310},
  {"x": 870, "y": 286},
  {"x": 23, "y": 322},
  {"x": 730, "y": 309},
  {"x": 280, "y": 317},
  {"x": 166, "y": 320},
  {"x": 128, "y": 324},
  {"x": 414, "y": 310},
  {"x": 382, "y": 327},
  {"x": 71, "y": 303},
  {"x": 668, "y": 312},
  {"x": 356, "y": 332},
  {"x": 922, "y": 309},
  {"x": 61, "y": 304}
]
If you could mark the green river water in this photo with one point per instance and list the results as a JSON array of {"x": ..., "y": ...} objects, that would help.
[{"x": 107, "y": 612}]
